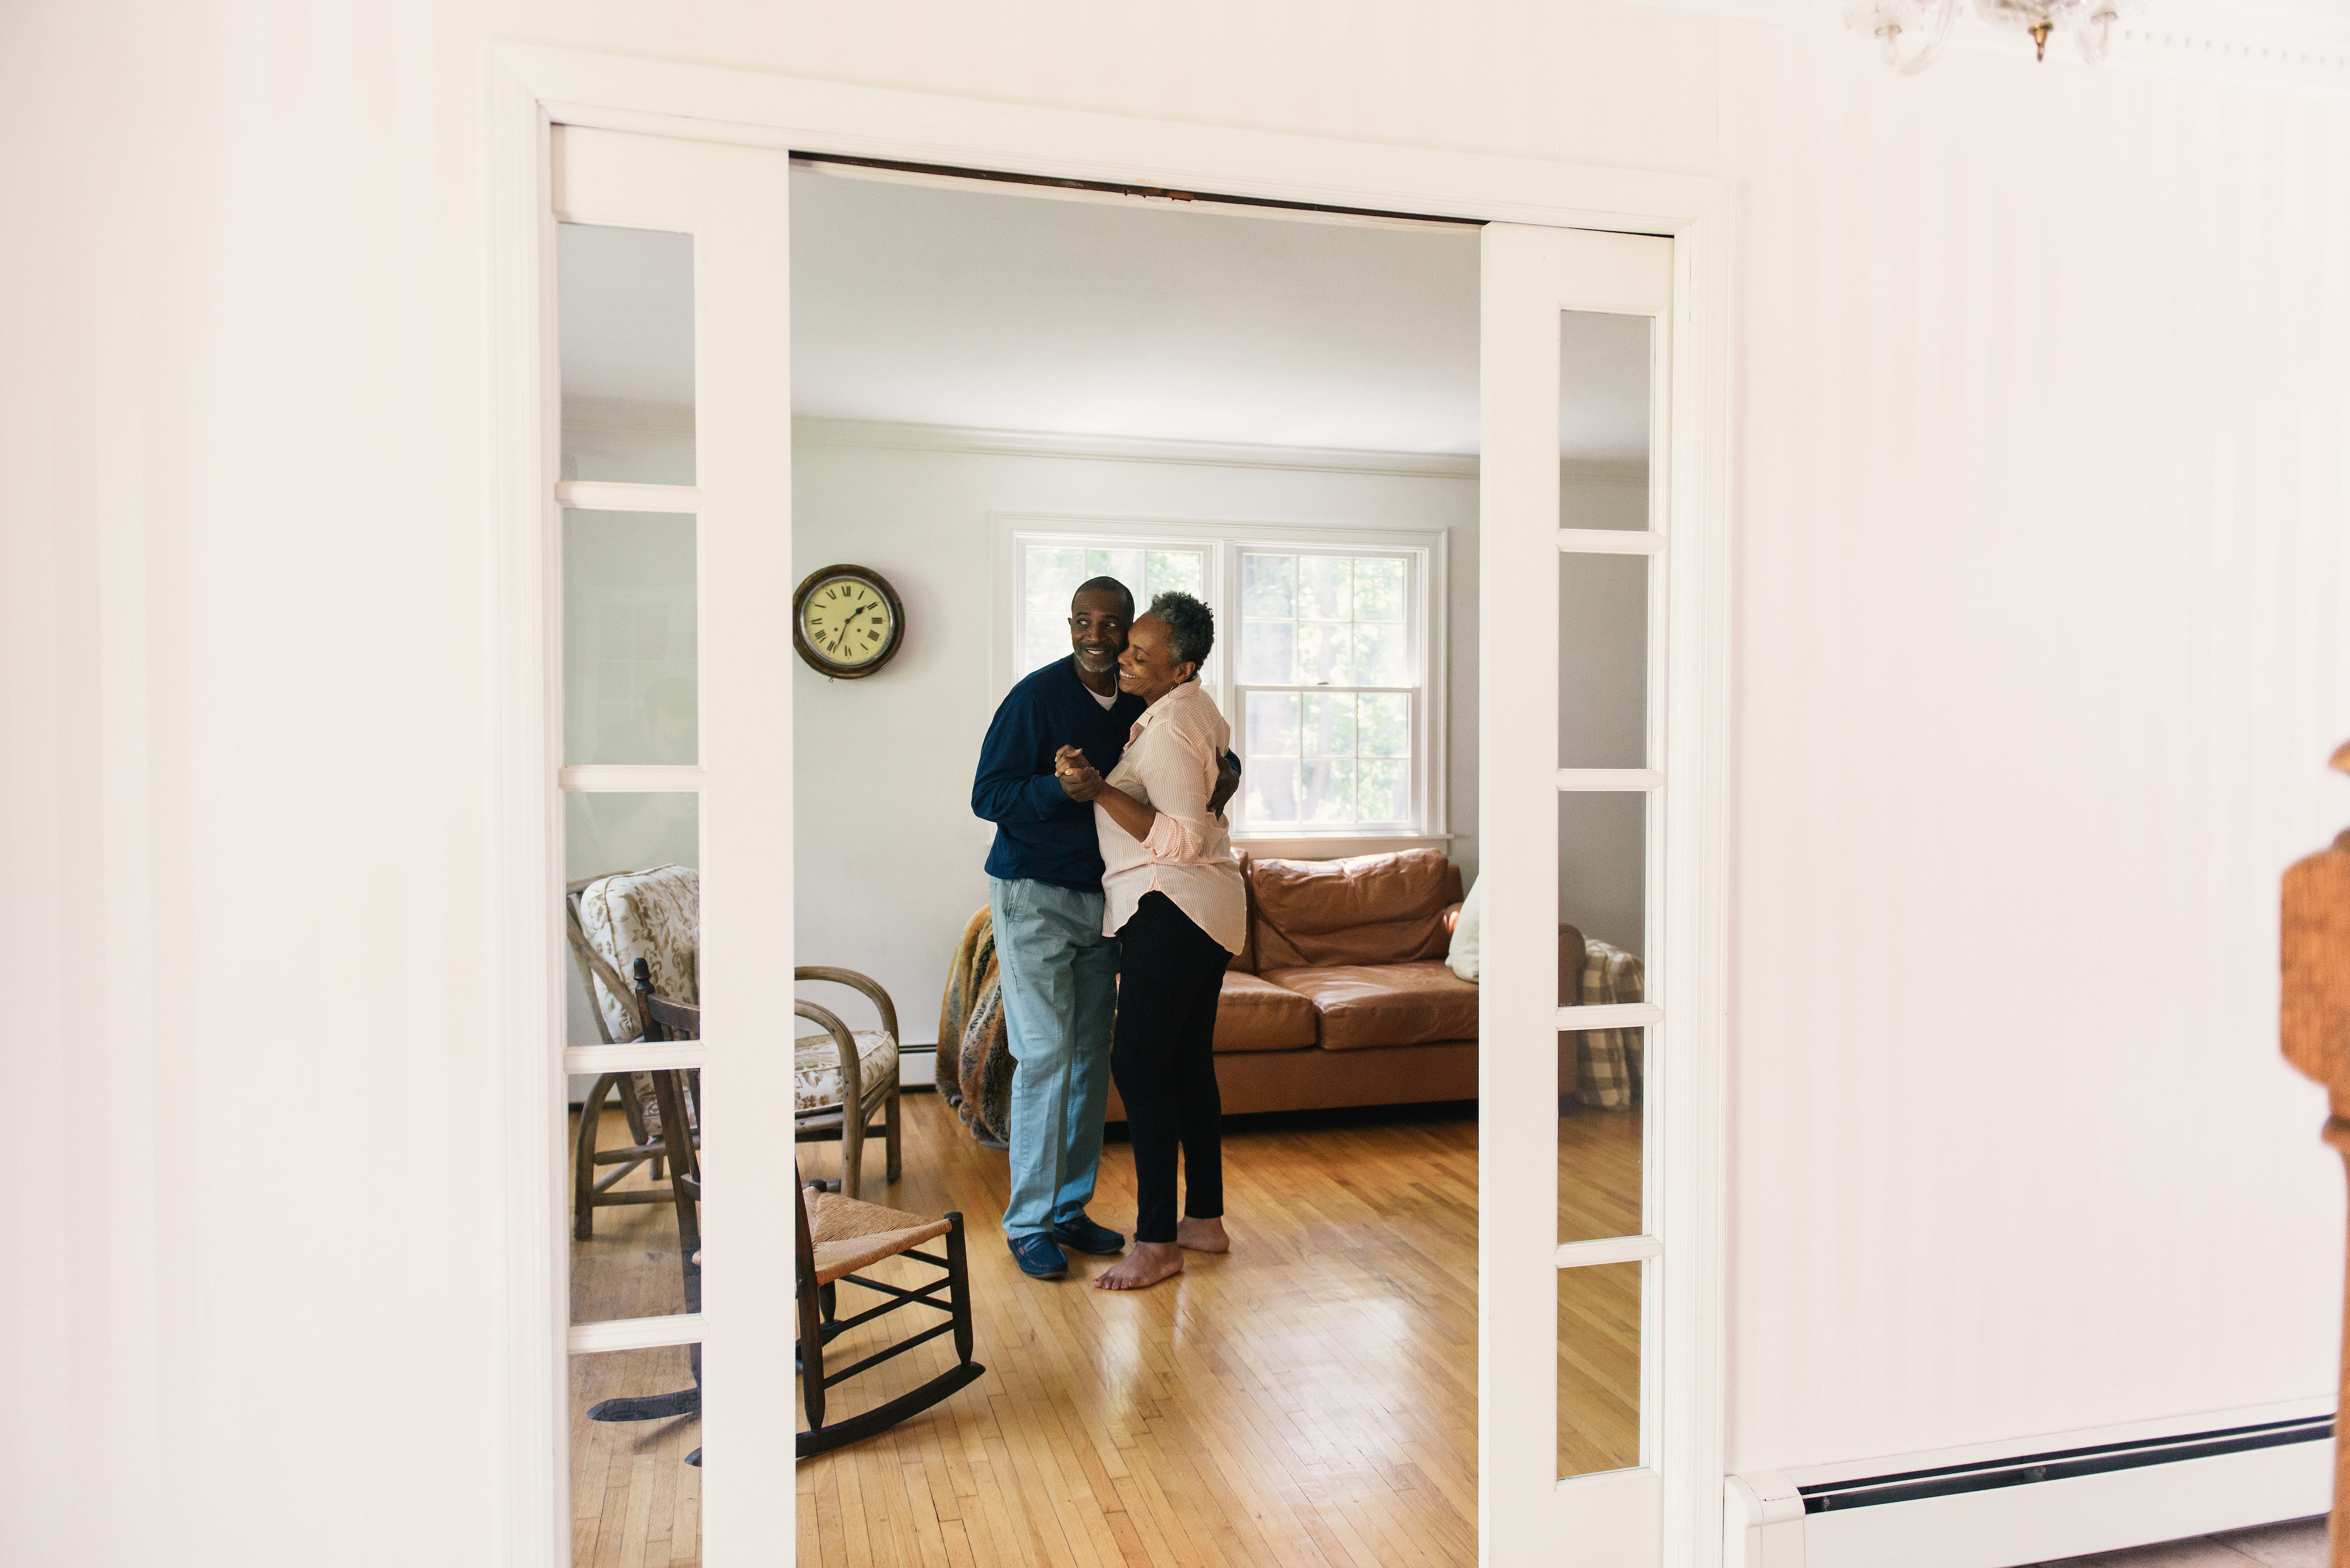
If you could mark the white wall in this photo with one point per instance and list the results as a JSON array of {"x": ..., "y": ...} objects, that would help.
[
  {"x": 889, "y": 857},
  {"x": 2044, "y": 381}
]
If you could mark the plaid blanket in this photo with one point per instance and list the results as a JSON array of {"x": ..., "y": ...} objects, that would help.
[{"x": 1608, "y": 1062}]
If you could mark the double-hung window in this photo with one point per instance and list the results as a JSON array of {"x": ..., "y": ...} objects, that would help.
[{"x": 1329, "y": 658}]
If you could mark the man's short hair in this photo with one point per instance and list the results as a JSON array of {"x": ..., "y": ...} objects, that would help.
[
  {"x": 1190, "y": 626},
  {"x": 1104, "y": 586}
]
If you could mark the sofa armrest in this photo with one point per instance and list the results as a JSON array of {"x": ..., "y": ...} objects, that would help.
[{"x": 1570, "y": 965}]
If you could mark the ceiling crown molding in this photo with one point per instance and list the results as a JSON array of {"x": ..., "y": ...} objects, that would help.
[{"x": 2280, "y": 43}]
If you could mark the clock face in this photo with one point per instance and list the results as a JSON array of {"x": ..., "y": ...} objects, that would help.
[{"x": 846, "y": 622}]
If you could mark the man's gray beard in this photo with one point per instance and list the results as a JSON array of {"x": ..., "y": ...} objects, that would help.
[{"x": 1091, "y": 668}]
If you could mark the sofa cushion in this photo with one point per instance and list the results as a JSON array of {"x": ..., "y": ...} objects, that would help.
[
  {"x": 1254, "y": 1014},
  {"x": 1369, "y": 909},
  {"x": 1385, "y": 1004}
]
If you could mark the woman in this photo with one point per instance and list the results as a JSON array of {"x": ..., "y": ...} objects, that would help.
[{"x": 1171, "y": 896}]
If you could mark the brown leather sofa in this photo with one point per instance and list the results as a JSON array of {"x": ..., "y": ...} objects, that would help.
[{"x": 1342, "y": 996}]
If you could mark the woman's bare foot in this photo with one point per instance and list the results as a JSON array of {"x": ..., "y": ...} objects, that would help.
[
  {"x": 1201, "y": 1235},
  {"x": 1144, "y": 1264}
]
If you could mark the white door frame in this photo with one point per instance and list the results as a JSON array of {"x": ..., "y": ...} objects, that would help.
[{"x": 531, "y": 88}]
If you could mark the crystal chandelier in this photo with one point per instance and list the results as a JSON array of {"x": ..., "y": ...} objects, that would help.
[{"x": 1911, "y": 32}]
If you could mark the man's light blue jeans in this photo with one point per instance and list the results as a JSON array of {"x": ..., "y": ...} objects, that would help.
[{"x": 1059, "y": 979}]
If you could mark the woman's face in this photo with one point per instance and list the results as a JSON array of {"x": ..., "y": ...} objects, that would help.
[{"x": 1147, "y": 666}]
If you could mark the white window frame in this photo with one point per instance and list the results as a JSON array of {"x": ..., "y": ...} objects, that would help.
[
  {"x": 528, "y": 88},
  {"x": 1012, "y": 533}
]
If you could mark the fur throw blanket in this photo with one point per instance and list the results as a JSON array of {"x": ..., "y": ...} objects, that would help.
[{"x": 974, "y": 1064}]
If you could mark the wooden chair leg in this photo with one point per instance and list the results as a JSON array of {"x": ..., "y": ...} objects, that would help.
[
  {"x": 891, "y": 1136},
  {"x": 583, "y": 1160},
  {"x": 852, "y": 1151},
  {"x": 958, "y": 1286},
  {"x": 811, "y": 1355}
]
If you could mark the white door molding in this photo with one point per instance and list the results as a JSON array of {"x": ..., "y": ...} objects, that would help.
[{"x": 530, "y": 89}]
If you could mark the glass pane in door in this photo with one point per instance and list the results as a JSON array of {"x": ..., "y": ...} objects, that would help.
[
  {"x": 1599, "y": 1367},
  {"x": 1603, "y": 660},
  {"x": 629, "y": 638},
  {"x": 633, "y": 1497},
  {"x": 626, "y": 299},
  {"x": 1603, "y": 421},
  {"x": 1601, "y": 1109}
]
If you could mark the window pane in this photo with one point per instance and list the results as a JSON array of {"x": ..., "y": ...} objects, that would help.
[
  {"x": 1600, "y": 1073},
  {"x": 625, "y": 299},
  {"x": 1598, "y": 1368},
  {"x": 607, "y": 833},
  {"x": 629, "y": 638},
  {"x": 1054, "y": 572},
  {"x": 1602, "y": 661},
  {"x": 1185, "y": 571},
  {"x": 1125, "y": 566},
  {"x": 1378, "y": 590},
  {"x": 1603, "y": 421},
  {"x": 1329, "y": 725},
  {"x": 633, "y": 1497},
  {"x": 1047, "y": 639},
  {"x": 1603, "y": 870},
  {"x": 1325, "y": 655},
  {"x": 1384, "y": 792},
  {"x": 1381, "y": 657},
  {"x": 1267, "y": 649},
  {"x": 1327, "y": 790},
  {"x": 1272, "y": 787},
  {"x": 1325, "y": 588},
  {"x": 1384, "y": 725},
  {"x": 1271, "y": 725},
  {"x": 1269, "y": 586}
]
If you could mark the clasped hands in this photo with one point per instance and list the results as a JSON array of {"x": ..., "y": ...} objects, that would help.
[{"x": 1080, "y": 780}]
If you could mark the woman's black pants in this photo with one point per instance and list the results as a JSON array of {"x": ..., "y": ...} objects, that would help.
[{"x": 1169, "y": 973}]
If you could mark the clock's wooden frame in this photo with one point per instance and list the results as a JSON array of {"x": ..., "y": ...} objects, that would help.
[{"x": 815, "y": 657}]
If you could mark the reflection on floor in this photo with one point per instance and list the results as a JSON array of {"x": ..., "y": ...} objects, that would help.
[{"x": 1309, "y": 1399}]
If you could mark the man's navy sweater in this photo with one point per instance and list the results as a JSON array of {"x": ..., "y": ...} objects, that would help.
[{"x": 1041, "y": 834}]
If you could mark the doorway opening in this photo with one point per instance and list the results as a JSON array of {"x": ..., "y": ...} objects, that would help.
[{"x": 999, "y": 396}]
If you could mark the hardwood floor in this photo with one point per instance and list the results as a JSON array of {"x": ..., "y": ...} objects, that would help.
[{"x": 1308, "y": 1399}]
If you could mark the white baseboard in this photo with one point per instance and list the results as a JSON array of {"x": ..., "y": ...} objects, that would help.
[
  {"x": 918, "y": 1068},
  {"x": 1768, "y": 1522}
]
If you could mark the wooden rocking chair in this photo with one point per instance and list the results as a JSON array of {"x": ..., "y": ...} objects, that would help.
[{"x": 838, "y": 1236}]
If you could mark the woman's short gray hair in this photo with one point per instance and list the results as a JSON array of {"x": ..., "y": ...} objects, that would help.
[{"x": 1190, "y": 626}]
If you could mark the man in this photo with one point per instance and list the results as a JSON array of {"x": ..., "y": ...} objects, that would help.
[{"x": 1058, "y": 971}]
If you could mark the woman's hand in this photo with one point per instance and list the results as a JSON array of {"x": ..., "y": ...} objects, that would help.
[{"x": 1079, "y": 779}]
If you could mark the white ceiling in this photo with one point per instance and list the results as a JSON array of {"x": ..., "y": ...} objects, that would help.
[{"x": 948, "y": 306}]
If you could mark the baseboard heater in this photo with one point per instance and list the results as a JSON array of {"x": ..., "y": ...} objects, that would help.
[{"x": 2060, "y": 1502}]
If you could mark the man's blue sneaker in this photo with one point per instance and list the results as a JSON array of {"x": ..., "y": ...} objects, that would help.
[
  {"x": 1038, "y": 1257},
  {"x": 1082, "y": 1235}
]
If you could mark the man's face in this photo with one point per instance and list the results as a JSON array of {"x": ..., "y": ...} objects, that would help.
[{"x": 1097, "y": 628}]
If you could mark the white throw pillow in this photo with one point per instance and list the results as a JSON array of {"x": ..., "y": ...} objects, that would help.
[{"x": 1462, "y": 957}]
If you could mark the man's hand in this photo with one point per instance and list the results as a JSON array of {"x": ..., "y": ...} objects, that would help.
[
  {"x": 1228, "y": 780},
  {"x": 1079, "y": 779}
]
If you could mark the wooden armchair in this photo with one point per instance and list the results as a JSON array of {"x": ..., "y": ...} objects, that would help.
[{"x": 836, "y": 1068}]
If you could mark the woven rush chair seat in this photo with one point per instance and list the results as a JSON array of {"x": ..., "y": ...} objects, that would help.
[
  {"x": 849, "y": 1234},
  {"x": 816, "y": 1065}
]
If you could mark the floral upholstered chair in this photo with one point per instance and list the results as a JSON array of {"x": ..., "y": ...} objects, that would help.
[
  {"x": 655, "y": 916},
  {"x": 612, "y": 922}
]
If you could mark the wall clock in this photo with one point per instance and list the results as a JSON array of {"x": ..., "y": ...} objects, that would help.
[{"x": 846, "y": 622}]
